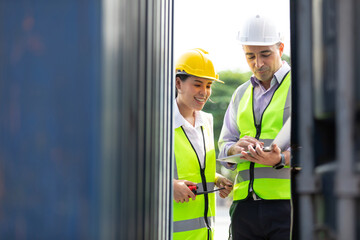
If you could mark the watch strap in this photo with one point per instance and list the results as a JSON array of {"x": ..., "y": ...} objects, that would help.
[{"x": 281, "y": 164}]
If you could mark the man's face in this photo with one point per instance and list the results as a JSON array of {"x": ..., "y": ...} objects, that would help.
[{"x": 264, "y": 61}]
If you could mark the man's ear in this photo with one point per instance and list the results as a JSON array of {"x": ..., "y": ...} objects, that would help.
[{"x": 281, "y": 49}]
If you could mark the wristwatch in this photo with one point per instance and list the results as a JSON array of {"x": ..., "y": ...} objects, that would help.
[{"x": 281, "y": 164}]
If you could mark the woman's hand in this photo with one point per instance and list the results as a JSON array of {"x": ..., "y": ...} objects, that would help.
[
  {"x": 181, "y": 191},
  {"x": 224, "y": 182}
]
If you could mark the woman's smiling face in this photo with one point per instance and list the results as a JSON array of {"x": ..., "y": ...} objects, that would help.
[{"x": 193, "y": 92}]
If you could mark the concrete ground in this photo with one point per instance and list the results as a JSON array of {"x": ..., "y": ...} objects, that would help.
[{"x": 222, "y": 219}]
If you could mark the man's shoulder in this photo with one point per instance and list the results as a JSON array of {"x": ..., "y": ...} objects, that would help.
[
  {"x": 244, "y": 85},
  {"x": 239, "y": 92}
]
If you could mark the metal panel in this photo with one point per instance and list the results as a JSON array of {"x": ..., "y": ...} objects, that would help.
[
  {"x": 138, "y": 93},
  {"x": 86, "y": 119},
  {"x": 329, "y": 179},
  {"x": 49, "y": 119},
  {"x": 347, "y": 183},
  {"x": 303, "y": 125}
]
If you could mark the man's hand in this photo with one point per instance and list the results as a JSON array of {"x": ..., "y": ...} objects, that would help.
[
  {"x": 257, "y": 155},
  {"x": 224, "y": 182},
  {"x": 243, "y": 144},
  {"x": 181, "y": 191}
]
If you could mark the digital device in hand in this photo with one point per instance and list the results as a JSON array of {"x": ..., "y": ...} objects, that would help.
[{"x": 282, "y": 140}]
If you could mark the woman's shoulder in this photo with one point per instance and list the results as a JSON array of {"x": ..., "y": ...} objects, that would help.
[
  {"x": 205, "y": 114},
  {"x": 206, "y": 117}
]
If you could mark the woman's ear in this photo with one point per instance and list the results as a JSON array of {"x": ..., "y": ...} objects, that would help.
[{"x": 178, "y": 83}]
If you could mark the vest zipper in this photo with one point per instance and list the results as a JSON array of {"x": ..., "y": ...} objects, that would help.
[
  {"x": 258, "y": 133},
  {"x": 206, "y": 196},
  {"x": 252, "y": 164},
  {"x": 203, "y": 179}
]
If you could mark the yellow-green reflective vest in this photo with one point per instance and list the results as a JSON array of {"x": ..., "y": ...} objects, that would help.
[
  {"x": 266, "y": 182},
  {"x": 194, "y": 220}
]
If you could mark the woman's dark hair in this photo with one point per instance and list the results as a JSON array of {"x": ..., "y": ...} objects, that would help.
[{"x": 182, "y": 77}]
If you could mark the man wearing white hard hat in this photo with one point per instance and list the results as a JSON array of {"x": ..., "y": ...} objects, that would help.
[{"x": 258, "y": 109}]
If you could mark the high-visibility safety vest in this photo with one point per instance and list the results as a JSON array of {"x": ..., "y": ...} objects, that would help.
[
  {"x": 194, "y": 220},
  {"x": 265, "y": 181}
]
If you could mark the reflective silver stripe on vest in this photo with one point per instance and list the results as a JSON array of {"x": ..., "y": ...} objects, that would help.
[
  {"x": 242, "y": 176},
  {"x": 176, "y": 176},
  {"x": 239, "y": 94},
  {"x": 263, "y": 172},
  {"x": 209, "y": 186},
  {"x": 287, "y": 108},
  {"x": 192, "y": 224}
]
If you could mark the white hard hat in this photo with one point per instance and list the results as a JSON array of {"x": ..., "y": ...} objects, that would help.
[{"x": 259, "y": 31}]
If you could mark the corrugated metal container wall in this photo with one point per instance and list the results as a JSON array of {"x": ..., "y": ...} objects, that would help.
[
  {"x": 85, "y": 119},
  {"x": 326, "y": 103},
  {"x": 138, "y": 93}
]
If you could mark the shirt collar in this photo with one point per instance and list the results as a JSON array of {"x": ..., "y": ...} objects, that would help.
[
  {"x": 179, "y": 120},
  {"x": 278, "y": 76}
]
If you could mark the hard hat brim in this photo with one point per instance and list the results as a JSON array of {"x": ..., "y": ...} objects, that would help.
[
  {"x": 206, "y": 77},
  {"x": 214, "y": 79}
]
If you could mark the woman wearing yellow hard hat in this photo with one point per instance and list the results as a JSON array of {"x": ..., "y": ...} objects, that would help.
[{"x": 195, "y": 174}]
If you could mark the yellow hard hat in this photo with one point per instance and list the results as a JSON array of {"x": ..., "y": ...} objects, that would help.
[{"x": 196, "y": 62}]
